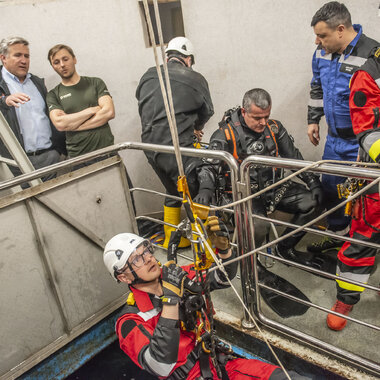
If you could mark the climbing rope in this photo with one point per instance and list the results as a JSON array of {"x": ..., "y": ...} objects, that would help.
[{"x": 166, "y": 93}]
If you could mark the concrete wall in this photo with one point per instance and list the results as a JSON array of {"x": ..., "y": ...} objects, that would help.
[{"x": 240, "y": 44}]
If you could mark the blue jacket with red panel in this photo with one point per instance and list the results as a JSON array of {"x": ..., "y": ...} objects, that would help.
[{"x": 330, "y": 91}]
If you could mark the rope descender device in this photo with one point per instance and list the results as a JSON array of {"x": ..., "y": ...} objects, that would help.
[
  {"x": 196, "y": 213},
  {"x": 199, "y": 210}
]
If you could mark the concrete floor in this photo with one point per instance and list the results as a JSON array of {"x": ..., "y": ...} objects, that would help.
[{"x": 355, "y": 338}]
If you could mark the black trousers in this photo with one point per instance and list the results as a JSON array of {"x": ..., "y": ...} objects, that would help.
[
  {"x": 165, "y": 166},
  {"x": 298, "y": 201}
]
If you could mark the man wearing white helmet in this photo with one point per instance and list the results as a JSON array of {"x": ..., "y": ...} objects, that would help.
[
  {"x": 150, "y": 328},
  {"x": 193, "y": 108}
]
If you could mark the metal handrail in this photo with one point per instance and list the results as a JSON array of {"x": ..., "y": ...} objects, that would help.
[
  {"x": 325, "y": 167},
  {"x": 334, "y": 169},
  {"x": 317, "y": 231},
  {"x": 245, "y": 241},
  {"x": 113, "y": 149}
]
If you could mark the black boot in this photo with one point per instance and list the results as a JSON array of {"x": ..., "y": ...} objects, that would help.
[
  {"x": 292, "y": 254},
  {"x": 325, "y": 244}
]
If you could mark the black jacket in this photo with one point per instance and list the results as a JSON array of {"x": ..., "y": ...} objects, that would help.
[
  {"x": 57, "y": 138},
  {"x": 192, "y": 104},
  {"x": 274, "y": 141}
]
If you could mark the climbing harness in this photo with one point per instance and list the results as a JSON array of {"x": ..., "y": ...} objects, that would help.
[{"x": 346, "y": 189}]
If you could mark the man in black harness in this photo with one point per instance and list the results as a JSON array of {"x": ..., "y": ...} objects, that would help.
[
  {"x": 245, "y": 131},
  {"x": 193, "y": 108}
]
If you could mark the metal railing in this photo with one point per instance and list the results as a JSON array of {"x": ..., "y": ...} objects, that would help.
[
  {"x": 372, "y": 174},
  {"x": 241, "y": 190}
]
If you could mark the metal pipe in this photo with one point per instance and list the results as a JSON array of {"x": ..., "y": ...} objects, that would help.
[
  {"x": 250, "y": 269},
  {"x": 286, "y": 295},
  {"x": 155, "y": 193},
  {"x": 317, "y": 271},
  {"x": 317, "y": 232},
  {"x": 128, "y": 196},
  {"x": 201, "y": 153},
  {"x": 327, "y": 347},
  {"x": 325, "y": 167},
  {"x": 300, "y": 228},
  {"x": 8, "y": 161},
  {"x": 165, "y": 195}
]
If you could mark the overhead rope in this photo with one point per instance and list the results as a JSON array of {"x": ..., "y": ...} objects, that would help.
[
  {"x": 165, "y": 64},
  {"x": 166, "y": 93}
]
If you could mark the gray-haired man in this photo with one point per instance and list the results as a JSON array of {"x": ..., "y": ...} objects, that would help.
[
  {"x": 342, "y": 49},
  {"x": 22, "y": 102},
  {"x": 248, "y": 130}
]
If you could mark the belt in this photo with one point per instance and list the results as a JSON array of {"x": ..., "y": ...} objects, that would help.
[
  {"x": 38, "y": 152},
  {"x": 344, "y": 133}
]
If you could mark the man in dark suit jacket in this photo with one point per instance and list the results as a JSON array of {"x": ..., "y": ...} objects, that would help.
[{"x": 22, "y": 102}]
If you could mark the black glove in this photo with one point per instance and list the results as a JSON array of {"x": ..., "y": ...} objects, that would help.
[
  {"x": 218, "y": 234},
  {"x": 192, "y": 286},
  {"x": 173, "y": 278},
  {"x": 175, "y": 239},
  {"x": 204, "y": 197},
  {"x": 315, "y": 187}
]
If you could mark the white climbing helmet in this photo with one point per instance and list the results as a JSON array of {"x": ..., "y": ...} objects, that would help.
[
  {"x": 181, "y": 44},
  {"x": 118, "y": 250}
]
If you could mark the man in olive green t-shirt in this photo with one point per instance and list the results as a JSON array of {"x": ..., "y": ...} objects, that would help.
[{"x": 80, "y": 106}]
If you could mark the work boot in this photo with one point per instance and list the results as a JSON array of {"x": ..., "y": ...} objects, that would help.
[
  {"x": 172, "y": 215},
  {"x": 293, "y": 255},
  {"x": 338, "y": 323},
  {"x": 325, "y": 244}
]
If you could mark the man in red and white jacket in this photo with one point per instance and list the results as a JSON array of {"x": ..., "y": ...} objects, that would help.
[
  {"x": 149, "y": 328},
  {"x": 356, "y": 261}
]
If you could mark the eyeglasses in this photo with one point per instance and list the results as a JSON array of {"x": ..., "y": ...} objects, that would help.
[{"x": 139, "y": 260}]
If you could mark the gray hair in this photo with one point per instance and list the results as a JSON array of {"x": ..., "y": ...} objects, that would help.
[
  {"x": 6, "y": 42},
  {"x": 258, "y": 97},
  {"x": 333, "y": 14}
]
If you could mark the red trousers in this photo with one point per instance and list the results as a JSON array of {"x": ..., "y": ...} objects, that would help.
[{"x": 355, "y": 261}]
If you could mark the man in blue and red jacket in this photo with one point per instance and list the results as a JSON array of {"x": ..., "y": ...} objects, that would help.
[
  {"x": 342, "y": 49},
  {"x": 150, "y": 328},
  {"x": 356, "y": 261}
]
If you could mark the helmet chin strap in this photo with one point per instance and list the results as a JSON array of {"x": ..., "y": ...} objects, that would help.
[{"x": 137, "y": 279}]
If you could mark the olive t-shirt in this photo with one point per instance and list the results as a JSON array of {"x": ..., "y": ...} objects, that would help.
[{"x": 78, "y": 97}]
